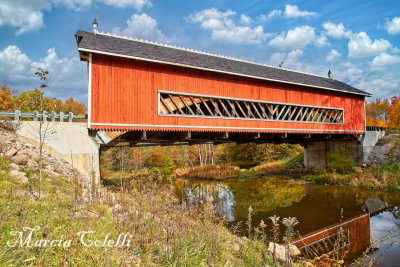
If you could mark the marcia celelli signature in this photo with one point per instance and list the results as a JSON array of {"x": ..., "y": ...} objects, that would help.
[{"x": 25, "y": 238}]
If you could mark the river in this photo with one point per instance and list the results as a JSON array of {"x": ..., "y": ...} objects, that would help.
[{"x": 315, "y": 206}]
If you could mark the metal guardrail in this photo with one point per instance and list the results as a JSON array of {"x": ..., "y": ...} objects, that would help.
[
  {"x": 382, "y": 129},
  {"x": 53, "y": 116}
]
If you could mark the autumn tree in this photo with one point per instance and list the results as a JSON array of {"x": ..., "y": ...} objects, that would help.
[
  {"x": 30, "y": 101},
  {"x": 74, "y": 106},
  {"x": 394, "y": 112},
  {"x": 7, "y": 101},
  {"x": 377, "y": 112}
]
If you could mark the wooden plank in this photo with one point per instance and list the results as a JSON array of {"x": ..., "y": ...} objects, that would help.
[
  {"x": 336, "y": 114},
  {"x": 309, "y": 115},
  {"x": 298, "y": 113},
  {"x": 262, "y": 110},
  {"x": 330, "y": 115},
  {"x": 216, "y": 107},
  {"x": 197, "y": 107},
  {"x": 292, "y": 113},
  {"x": 326, "y": 114},
  {"x": 187, "y": 106},
  {"x": 175, "y": 103},
  {"x": 258, "y": 113},
  {"x": 287, "y": 111},
  {"x": 248, "y": 109},
  {"x": 223, "y": 106},
  {"x": 233, "y": 108},
  {"x": 166, "y": 105},
  {"x": 280, "y": 113},
  {"x": 305, "y": 112},
  {"x": 275, "y": 109},
  {"x": 207, "y": 107},
  {"x": 318, "y": 118},
  {"x": 271, "y": 110},
  {"x": 240, "y": 108}
]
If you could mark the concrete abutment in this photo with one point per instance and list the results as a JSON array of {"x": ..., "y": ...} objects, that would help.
[{"x": 68, "y": 141}]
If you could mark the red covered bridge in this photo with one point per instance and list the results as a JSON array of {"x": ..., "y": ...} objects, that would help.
[{"x": 145, "y": 91}]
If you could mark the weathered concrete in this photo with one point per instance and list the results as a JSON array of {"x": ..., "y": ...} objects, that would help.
[
  {"x": 315, "y": 152},
  {"x": 369, "y": 140},
  {"x": 68, "y": 141}
]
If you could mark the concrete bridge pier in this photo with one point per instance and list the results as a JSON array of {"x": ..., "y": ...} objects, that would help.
[
  {"x": 315, "y": 152},
  {"x": 358, "y": 149}
]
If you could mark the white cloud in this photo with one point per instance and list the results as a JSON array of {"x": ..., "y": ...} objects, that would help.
[
  {"x": 393, "y": 26},
  {"x": 336, "y": 30},
  {"x": 292, "y": 11},
  {"x": 246, "y": 20},
  {"x": 360, "y": 45},
  {"x": 298, "y": 37},
  {"x": 27, "y": 15},
  {"x": 383, "y": 86},
  {"x": 348, "y": 73},
  {"x": 224, "y": 29},
  {"x": 332, "y": 55},
  {"x": 212, "y": 13},
  {"x": 73, "y": 4},
  {"x": 290, "y": 60},
  {"x": 138, "y": 4},
  {"x": 321, "y": 41},
  {"x": 292, "y": 57},
  {"x": 65, "y": 74},
  {"x": 142, "y": 26},
  {"x": 274, "y": 13},
  {"x": 14, "y": 65},
  {"x": 384, "y": 59}
]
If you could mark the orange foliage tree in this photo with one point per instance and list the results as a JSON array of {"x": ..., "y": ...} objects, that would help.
[
  {"x": 7, "y": 102},
  {"x": 74, "y": 106},
  {"x": 394, "y": 112},
  {"x": 383, "y": 113},
  {"x": 377, "y": 112}
]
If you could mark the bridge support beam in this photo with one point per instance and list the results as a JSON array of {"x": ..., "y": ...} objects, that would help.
[{"x": 315, "y": 152}]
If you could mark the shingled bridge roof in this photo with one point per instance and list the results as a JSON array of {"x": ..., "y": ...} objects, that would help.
[{"x": 120, "y": 46}]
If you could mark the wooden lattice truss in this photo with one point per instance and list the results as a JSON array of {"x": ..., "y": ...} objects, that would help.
[
  {"x": 336, "y": 245},
  {"x": 180, "y": 104}
]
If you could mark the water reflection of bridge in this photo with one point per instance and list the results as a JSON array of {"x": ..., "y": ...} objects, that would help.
[
  {"x": 347, "y": 239},
  {"x": 317, "y": 207}
]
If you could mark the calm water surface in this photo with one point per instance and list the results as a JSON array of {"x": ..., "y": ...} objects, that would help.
[{"x": 315, "y": 206}]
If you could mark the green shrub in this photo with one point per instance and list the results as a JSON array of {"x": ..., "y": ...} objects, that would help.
[
  {"x": 298, "y": 159},
  {"x": 3, "y": 163},
  {"x": 339, "y": 161},
  {"x": 392, "y": 168}
]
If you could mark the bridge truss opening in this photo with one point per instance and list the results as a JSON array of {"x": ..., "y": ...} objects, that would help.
[{"x": 206, "y": 106}]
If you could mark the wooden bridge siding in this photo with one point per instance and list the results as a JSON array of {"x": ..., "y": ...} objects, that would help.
[
  {"x": 359, "y": 234},
  {"x": 125, "y": 91}
]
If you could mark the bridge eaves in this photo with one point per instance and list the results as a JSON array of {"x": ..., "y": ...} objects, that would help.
[{"x": 118, "y": 46}]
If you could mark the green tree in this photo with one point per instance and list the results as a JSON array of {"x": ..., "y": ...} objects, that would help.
[{"x": 29, "y": 101}]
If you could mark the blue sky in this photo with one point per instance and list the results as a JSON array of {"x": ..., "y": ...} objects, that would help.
[{"x": 359, "y": 41}]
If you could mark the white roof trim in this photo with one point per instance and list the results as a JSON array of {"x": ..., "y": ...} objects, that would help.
[{"x": 205, "y": 53}]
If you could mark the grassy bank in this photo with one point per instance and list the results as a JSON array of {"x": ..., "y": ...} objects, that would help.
[
  {"x": 215, "y": 172},
  {"x": 386, "y": 177},
  {"x": 164, "y": 232},
  {"x": 341, "y": 171}
]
